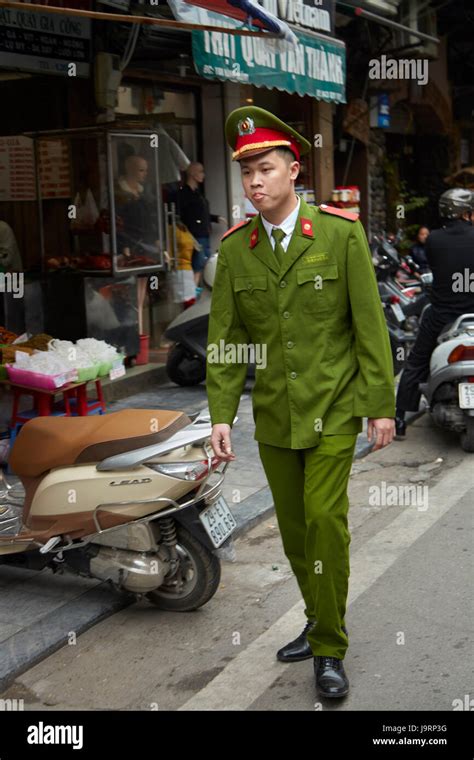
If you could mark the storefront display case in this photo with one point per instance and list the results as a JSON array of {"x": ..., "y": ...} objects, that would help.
[
  {"x": 101, "y": 221},
  {"x": 100, "y": 208}
]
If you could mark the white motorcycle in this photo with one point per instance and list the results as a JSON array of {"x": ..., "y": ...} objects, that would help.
[{"x": 450, "y": 385}]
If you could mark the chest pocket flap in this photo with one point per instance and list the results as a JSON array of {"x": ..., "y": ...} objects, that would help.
[
  {"x": 325, "y": 271},
  {"x": 250, "y": 282}
]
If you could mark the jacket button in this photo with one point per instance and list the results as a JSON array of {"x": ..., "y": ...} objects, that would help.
[
  {"x": 249, "y": 285},
  {"x": 290, "y": 344},
  {"x": 286, "y": 314},
  {"x": 283, "y": 284},
  {"x": 292, "y": 375}
]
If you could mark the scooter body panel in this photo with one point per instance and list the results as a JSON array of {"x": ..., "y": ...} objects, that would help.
[{"x": 442, "y": 387}]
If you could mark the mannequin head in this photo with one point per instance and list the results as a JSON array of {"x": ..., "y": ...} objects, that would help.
[{"x": 136, "y": 168}]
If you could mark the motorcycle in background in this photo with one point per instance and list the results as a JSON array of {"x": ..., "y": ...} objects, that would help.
[
  {"x": 186, "y": 364},
  {"x": 396, "y": 277},
  {"x": 404, "y": 293},
  {"x": 449, "y": 389},
  {"x": 401, "y": 340}
]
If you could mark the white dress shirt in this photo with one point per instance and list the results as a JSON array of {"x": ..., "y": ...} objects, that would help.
[{"x": 288, "y": 225}]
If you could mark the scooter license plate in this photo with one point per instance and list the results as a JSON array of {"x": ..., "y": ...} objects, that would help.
[
  {"x": 218, "y": 521},
  {"x": 398, "y": 311},
  {"x": 466, "y": 395}
]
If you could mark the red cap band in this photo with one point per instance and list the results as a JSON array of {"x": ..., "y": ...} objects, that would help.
[{"x": 264, "y": 139}]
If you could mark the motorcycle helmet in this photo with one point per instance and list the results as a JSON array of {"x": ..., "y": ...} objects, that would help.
[{"x": 454, "y": 202}]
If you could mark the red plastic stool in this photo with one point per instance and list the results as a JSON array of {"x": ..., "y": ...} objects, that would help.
[{"x": 81, "y": 405}]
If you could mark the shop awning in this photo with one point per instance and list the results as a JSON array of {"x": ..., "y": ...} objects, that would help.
[{"x": 315, "y": 65}]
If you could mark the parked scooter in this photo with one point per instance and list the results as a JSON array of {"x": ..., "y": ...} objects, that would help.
[
  {"x": 404, "y": 291},
  {"x": 186, "y": 364},
  {"x": 132, "y": 497},
  {"x": 450, "y": 386},
  {"x": 402, "y": 327},
  {"x": 401, "y": 339},
  {"x": 393, "y": 275},
  {"x": 415, "y": 285}
]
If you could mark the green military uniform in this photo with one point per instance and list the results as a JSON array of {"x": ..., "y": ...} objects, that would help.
[{"x": 328, "y": 364}]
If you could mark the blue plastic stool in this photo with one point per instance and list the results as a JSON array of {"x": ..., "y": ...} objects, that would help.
[{"x": 92, "y": 408}]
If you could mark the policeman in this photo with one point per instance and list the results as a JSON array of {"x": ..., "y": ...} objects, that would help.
[
  {"x": 297, "y": 283},
  {"x": 449, "y": 252}
]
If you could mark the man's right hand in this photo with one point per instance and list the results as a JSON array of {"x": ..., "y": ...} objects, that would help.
[{"x": 220, "y": 441}]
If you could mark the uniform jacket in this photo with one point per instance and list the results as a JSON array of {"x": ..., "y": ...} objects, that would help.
[{"x": 320, "y": 318}]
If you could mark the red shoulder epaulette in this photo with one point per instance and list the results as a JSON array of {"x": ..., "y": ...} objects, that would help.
[
  {"x": 349, "y": 215},
  {"x": 235, "y": 227}
]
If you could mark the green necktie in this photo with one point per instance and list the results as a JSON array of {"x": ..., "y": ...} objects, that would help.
[{"x": 278, "y": 235}]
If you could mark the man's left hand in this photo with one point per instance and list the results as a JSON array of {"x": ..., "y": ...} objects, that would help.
[{"x": 382, "y": 430}]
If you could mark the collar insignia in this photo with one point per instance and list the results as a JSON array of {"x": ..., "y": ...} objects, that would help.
[
  {"x": 254, "y": 238},
  {"x": 306, "y": 227}
]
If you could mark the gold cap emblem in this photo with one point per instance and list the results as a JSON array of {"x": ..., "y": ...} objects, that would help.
[{"x": 246, "y": 126}]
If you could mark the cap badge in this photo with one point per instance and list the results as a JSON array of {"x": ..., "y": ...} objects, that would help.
[{"x": 246, "y": 126}]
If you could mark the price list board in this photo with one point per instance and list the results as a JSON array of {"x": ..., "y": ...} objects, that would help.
[{"x": 17, "y": 169}]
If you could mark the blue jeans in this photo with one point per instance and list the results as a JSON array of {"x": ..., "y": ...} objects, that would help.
[{"x": 200, "y": 258}]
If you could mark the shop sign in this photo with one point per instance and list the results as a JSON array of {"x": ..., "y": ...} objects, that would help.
[
  {"x": 315, "y": 66},
  {"x": 44, "y": 43},
  {"x": 380, "y": 110}
]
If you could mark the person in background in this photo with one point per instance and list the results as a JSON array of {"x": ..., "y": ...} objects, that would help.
[
  {"x": 193, "y": 209},
  {"x": 449, "y": 250},
  {"x": 418, "y": 250},
  {"x": 185, "y": 290}
]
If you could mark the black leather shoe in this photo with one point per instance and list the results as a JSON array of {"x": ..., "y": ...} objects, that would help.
[
  {"x": 299, "y": 649},
  {"x": 400, "y": 428},
  {"x": 331, "y": 679}
]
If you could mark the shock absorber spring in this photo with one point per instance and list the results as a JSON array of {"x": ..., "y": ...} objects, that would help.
[{"x": 168, "y": 531}]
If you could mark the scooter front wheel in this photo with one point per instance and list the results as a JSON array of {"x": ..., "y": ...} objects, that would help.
[
  {"x": 183, "y": 368},
  {"x": 197, "y": 578}
]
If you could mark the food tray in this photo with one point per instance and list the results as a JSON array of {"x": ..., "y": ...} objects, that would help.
[{"x": 37, "y": 380}]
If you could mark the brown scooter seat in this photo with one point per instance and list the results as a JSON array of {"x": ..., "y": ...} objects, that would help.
[{"x": 47, "y": 442}]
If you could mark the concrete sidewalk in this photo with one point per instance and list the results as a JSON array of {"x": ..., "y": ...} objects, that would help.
[{"x": 39, "y": 610}]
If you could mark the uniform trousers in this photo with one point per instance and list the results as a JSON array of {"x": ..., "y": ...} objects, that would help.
[{"x": 309, "y": 489}]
